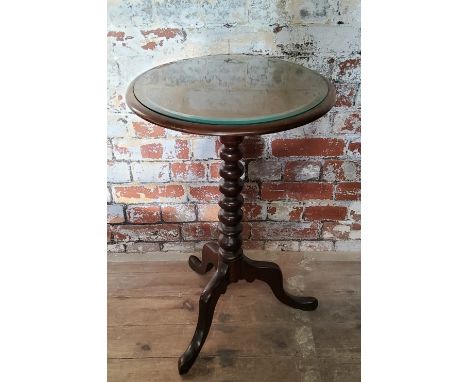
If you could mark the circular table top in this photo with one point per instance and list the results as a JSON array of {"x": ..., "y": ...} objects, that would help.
[{"x": 230, "y": 95}]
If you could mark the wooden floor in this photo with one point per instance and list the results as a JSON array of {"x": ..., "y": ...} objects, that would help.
[{"x": 153, "y": 308}]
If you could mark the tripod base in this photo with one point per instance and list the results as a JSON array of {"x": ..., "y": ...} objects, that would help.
[{"x": 241, "y": 268}]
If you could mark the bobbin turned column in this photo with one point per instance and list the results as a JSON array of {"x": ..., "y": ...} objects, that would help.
[
  {"x": 227, "y": 255},
  {"x": 228, "y": 248},
  {"x": 231, "y": 214}
]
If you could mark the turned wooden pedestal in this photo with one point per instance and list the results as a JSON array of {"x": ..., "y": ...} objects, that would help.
[
  {"x": 231, "y": 96},
  {"x": 227, "y": 255}
]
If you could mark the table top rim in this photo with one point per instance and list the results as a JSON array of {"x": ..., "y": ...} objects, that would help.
[{"x": 255, "y": 128}]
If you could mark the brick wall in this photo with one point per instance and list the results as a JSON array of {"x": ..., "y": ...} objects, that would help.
[{"x": 302, "y": 187}]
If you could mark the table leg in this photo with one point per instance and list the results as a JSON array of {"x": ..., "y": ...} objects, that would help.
[
  {"x": 208, "y": 299},
  {"x": 209, "y": 259},
  {"x": 228, "y": 256}
]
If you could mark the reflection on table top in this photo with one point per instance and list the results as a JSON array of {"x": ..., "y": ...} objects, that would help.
[{"x": 230, "y": 89}]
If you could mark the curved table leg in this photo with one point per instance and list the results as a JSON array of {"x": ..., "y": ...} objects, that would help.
[
  {"x": 272, "y": 275},
  {"x": 209, "y": 259},
  {"x": 208, "y": 299}
]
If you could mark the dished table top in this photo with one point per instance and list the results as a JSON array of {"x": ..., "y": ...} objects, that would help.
[{"x": 230, "y": 95}]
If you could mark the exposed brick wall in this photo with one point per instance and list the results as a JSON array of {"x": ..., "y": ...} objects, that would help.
[{"x": 302, "y": 187}]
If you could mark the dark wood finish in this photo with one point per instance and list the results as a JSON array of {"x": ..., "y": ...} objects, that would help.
[
  {"x": 208, "y": 261},
  {"x": 227, "y": 255},
  {"x": 252, "y": 337},
  {"x": 233, "y": 265},
  {"x": 231, "y": 130}
]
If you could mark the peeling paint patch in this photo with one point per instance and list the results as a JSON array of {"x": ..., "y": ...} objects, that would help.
[
  {"x": 278, "y": 28},
  {"x": 349, "y": 64},
  {"x": 119, "y": 36},
  {"x": 149, "y": 45},
  {"x": 164, "y": 32}
]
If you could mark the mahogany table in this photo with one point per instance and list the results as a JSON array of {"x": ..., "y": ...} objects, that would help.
[{"x": 231, "y": 96}]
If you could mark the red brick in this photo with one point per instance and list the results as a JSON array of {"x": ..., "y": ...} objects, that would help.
[
  {"x": 284, "y": 212},
  {"x": 188, "y": 171},
  {"x": 296, "y": 191},
  {"x": 338, "y": 170},
  {"x": 109, "y": 233},
  {"x": 145, "y": 129},
  {"x": 347, "y": 122},
  {"x": 254, "y": 211},
  {"x": 336, "y": 231},
  {"x": 144, "y": 214},
  {"x": 250, "y": 191},
  {"x": 119, "y": 36},
  {"x": 199, "y": 231},
  {"x": 325, "y": 213},
  {"x": 264, "y": 170},
  {"x": 140, "y": 193},
  {"x": 168, "y": 149},
  {"x": 152, "y": 151},
  {"x": 348, "y": 191},
  {"x": 295, "y": 171},
  {"x": 147, "y": 232},
  {"x": 345, "y": 93},
  {"x": 308, "y": 147},
  {"x": 214, "y": 170},
  {"x": 178, "y": 212},
  {"x": 208, "y": 212},
  {"x": 182, "y": 149},
  {"x": 349, "y": 65},
  {"x": 207, "y": 193},
  {"x": 354, "y": 149},
  {"x": 285, "y": 231},
  {"x": 246, "y": 229},
  {"x": 253, "y": 147}
]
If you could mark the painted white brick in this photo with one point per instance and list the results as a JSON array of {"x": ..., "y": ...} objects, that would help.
[
  {"x": 292, "y": 246},
  {"x": 179, "y": 247},
  {"x": 317, "y": 246},
  {"x": 355, "y": 211},
  {"x": 348, "y": 245},
  {"x": 150, "y": 172},
  {"x": 220, "y": 12},
  {"x": 321, "y": 39},
  {"x": 117, "y": 125},
  {"x": 311, "y": 11},
  {"x": 121, "y": 13},
  {"x": 350, "y": 172},
  {"x": 115, "y": 214},
  {"x": 118, "y": 172},
  {"x": 142, "y": 247},
  {"x": 204, "y": 148},
  {"x": 177, "y": 13},
  {"x": 350, "y": 12},
  {"x": 115, "y": 248},
  {"x": 109, "y": 196},
  {"x": 109, "y": 150}
]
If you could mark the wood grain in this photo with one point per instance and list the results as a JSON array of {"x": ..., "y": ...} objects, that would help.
[{"x": 153, "y": 310}]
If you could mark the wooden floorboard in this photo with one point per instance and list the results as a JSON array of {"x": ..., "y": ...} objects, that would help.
[{"x": 153, "y": 309}]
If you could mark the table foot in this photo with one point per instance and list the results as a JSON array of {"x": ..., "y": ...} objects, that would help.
[
  {"x": 209, "y": 259},
  {"x": 208, "y": 299},
  {"x": 271, "y": 274}
]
